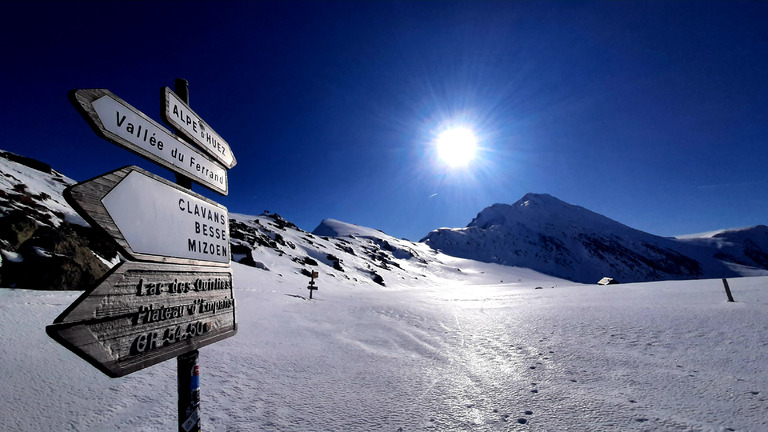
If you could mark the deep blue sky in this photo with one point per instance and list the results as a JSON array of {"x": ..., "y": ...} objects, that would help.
[{"x": 652, "y": 113}]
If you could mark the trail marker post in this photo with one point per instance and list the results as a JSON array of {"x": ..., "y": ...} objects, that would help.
[
  {"x": 312, "y": 286},
  {"x": 727, "y": 290},
  {"x": 173, "y": 294}
]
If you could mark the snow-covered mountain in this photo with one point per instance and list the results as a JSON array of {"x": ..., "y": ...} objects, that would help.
[
  {"x": 45, "y": 244},
  {"x": 545, "y": 234},
  {"x": 745, "y": 249},
  {"x": 355, "y": 255}
]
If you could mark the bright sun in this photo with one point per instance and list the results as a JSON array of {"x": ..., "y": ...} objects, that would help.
[{"x": 456, "y": 146}]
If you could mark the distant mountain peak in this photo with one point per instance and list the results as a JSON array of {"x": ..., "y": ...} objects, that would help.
[
  {"x": 546, "y": 234},
  {"x": 538, "y": 209},
  {"x": 336, "y": 228},
  {"x": 534, "y": 199}
]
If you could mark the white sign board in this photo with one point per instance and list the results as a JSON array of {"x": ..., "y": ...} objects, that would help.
[
  {"x": 182, "y": 118},
  {"x": 157, "y": 219},
  {"x": 122, "y": 124},
  {"x": 153, "y": 219}
]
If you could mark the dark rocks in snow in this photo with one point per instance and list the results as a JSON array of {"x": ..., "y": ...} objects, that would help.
[
  {"x": 336, "y": 262},
  {"x": 40, "y": 248},
  {"x": 244, "y": 255},
  {"x": 16, "y": 228},
  {"x": 344, "y": 248},
  {"x": 279, "y": 239},
  {"x": 20, "y": 199},
  {"x": 304, "y": 260},
  {"x": 313, "y": 249},
  {"x": 43, "y": 257},
  {"x": 378, "y": 279},
  {"x": 239, "y": 249},
  {"x": 281, "y": 223},
  {"x": 259, "y": 236},
  {"x": 248, "y": 260}
]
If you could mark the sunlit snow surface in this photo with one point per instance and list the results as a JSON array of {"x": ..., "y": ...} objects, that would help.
[{"x": 439, "y": 356}]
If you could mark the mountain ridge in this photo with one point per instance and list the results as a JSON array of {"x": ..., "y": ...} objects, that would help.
[
  {"x": 564, "y": 240},
  {"x": 44, "y": 244}
]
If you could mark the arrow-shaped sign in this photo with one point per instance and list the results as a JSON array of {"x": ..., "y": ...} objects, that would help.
[
  {"x": 118, "y": 122},
  {"x": 152, "y": 219},
  {"x": 141, "y": 314},
  {"x": 183, "y": 119}
]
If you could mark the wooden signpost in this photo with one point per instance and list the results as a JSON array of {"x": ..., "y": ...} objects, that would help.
[
  {"x": 312, "y": 286},
  {"x": 144, "y": 313},
  {"x": 174, "y": 294}
]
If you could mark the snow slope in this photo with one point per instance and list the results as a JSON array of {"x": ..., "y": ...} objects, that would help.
[
  {"x": 21, "y": 176},
  {"x": 553, "y": 237},
  {"x": 44, "y": 243},
  {"x": 744, "y": 249},
  {"x": 354, "y": 255},
  {"x": 441, "y": 355}
]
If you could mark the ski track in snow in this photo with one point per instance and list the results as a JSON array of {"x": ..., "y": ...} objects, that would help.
[{"x": 653, "y": 356}]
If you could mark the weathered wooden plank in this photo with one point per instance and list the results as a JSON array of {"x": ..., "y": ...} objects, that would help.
[{"x": 141, "y": 314}]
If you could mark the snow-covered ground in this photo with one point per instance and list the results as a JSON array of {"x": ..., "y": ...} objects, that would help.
[{"x": 475, "y": 353}]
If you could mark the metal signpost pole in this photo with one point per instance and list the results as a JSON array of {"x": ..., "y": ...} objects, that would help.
[
  {"x": 188, "y": 373},
  {"x": 187, "y": 366}
]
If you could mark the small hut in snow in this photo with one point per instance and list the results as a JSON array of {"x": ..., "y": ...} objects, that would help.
[{"x": 608, "y": 281}]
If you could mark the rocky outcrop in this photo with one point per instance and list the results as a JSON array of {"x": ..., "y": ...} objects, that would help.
[
  {"x": 43, "y": 243},
  {"x": 37, "y": 256}
]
